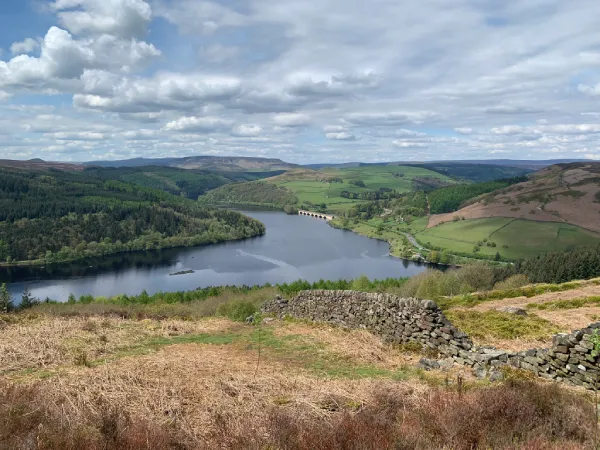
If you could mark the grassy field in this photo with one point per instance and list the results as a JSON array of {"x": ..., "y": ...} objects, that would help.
[
  {"x": 514, "y": 239},
  {"x": 73, "y": 377},
  {"x": 312, "y": 186}
]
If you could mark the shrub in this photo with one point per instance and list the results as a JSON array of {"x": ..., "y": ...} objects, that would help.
[
  {"x": 236, "y": 310},
  {"x": 517, "y": 414},
  {"x": 30, "y": 420},
  {"x": 513, "y": 282}
]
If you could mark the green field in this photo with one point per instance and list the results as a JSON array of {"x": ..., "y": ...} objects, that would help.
[
  {"x": 514, "y": 239},
  {"x": 308, "y": 188}
]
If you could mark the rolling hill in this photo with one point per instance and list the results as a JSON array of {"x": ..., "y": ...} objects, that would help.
[
  {"x": 557, "y": 209},
  {"x": 212, "y": 163}
]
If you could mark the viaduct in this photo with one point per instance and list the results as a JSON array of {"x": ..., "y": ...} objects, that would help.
[{"x": 317, "y": 215}]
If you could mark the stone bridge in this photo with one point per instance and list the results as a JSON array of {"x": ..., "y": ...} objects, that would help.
[{"x": 317, "y": 215}]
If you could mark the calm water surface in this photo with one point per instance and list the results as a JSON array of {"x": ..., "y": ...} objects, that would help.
[{"x": 294, "y": 247}]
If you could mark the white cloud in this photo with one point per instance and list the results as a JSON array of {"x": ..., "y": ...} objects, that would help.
[
  {"x": 341, "y": 136},
  {"x": 409, "y": 133},
  {"x": 166, "y": 91},
  {"x": 592, "y": 91},
  {"x": 246, "y": 130},
  {"x": 77, "y": 136},
  {"x": 64, "y": 59},
  {"x": 408, "y": 144},
  {"x": 387, "y": 119},
  {"x": 29, "y": 45},
  {"x": 294, "y": 79},
  {"x": 198, "y": 124},
  {"x": 123, "y": 18},
  {"x": 291, "y": 120}
]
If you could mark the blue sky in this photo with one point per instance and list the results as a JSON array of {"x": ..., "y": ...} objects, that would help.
[{"x": 304, "y": 81}]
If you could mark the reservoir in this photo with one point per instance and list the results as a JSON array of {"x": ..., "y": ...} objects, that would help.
[{"x": 294, "y": 247}]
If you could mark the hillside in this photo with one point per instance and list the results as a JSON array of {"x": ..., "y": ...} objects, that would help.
[
  {"x": 51, "y": 215},
  {"x": 212, "y": 163},
  {"x": 251, "y": 193},
  {"x": 341, "y": 189},
  {"x": 568, "y": 193},
  {"x": 186, "y": 372}
]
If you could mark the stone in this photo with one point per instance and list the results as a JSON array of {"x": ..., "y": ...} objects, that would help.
[
  {"x": 428, "y": 364},
  {"x": 480, "y": 372},
  {"x": 513, "y": 310},
  {"x": 399, "y": 320},
  {"x": 496, "y": 375}
]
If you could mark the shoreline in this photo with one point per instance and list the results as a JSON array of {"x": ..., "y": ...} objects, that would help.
[{"x": 43, "y": 263}]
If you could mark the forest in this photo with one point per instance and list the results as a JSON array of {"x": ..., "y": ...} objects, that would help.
[
  {"x": 187, "y": 183},
  {"x": 450, "y": 199},
  {"x": 559, "y": 267},
  {"x": 51, "y": 216},
  {"x": 253, "y": 193}
]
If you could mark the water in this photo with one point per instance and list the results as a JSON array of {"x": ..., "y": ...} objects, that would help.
[{"x": 294, "y": 247}]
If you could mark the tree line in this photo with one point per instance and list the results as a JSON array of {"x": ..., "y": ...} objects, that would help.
[
  {"x": 254, "y": 193},
  {"x": 54, "y": 216},
  {"x": 451, "y": 198}
]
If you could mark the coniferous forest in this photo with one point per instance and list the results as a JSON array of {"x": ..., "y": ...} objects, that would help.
[{"x": 52, "y": 215}]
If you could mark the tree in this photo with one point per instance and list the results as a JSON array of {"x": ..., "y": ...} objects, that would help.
[
  {"x": 434, "y": 257},
  {"x": 71, "y": 298},
  {"x": 497, "y": 257},
  {"x": 6, "y": 304},
  {"x": 446, "y": 257},
  {"x": 362, "y": 283},
  {"x": 28, "y": 300}
]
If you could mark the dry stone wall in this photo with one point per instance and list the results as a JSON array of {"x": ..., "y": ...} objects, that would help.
[{"x": 570, "y": 359}]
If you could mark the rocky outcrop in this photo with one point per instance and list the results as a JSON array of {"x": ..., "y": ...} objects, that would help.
[{"x": 570, "y": 359}]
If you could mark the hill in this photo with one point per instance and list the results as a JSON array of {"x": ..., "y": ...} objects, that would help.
[
  {"x": 184, "y": 371},
  {"x": 565, "y": 193},
  {"x": 189, "y": 183},
  {"x": 51, "y": 215},
  {"x": 556, "y": 209},
  {"x": 252, "y": 193},
  {"x": 341, "y": 189},
  {"x": 212, "y": 163}
]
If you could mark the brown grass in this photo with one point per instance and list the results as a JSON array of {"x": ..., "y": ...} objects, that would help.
[
  {"x": 219, "y": 395},
  {"x": 580, "y": 292},
  {"x": 515, "y": 415},
  {"x": 40, "y": 342}
]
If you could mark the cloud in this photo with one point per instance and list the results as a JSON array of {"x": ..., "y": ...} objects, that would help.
[
  {"x": 409, "y": 133},
  {"x": 246, "y": 131},
  {"x": 592, "y": 91},
  {"x": 77, "y": 136},
  {"x": 341, "y": 136},
  {"x": 408, "y": 144},
  {"x": 122, "y": 18},
  {"x": 510, "y": 110},
  {"x": 63, "y": 60},
  {"x": 291, "y": 120},
  {"x": 166, "y": 91},
  {"x": 387, "y": 119},
  {"x": 198, "y": 124},
  {"x": 472, "y": 80},
  {"x": 29, "y": 45}
]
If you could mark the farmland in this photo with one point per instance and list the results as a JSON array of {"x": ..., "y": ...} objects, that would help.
[
  {"x": 512, "y": 238},
  {"x": 317, "y": 187}
]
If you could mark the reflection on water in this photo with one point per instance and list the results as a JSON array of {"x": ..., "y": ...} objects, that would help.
[{"x": 294, "y": 247}]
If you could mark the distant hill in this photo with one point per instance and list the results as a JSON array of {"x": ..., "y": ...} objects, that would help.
[
  {"x": 212, "y": 163},
  {"x": 523, "y": 164},
  {"x": 39, "y": 164},
  {"x": 567, "y": 193}
]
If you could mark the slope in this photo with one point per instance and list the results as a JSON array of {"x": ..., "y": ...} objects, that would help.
[{"x": 50, "y": 215}]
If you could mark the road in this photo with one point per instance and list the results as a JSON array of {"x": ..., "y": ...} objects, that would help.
[{"x": 413, "y": 241}]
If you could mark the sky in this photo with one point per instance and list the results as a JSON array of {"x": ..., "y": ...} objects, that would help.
[{"x": 301, "y": 80}]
